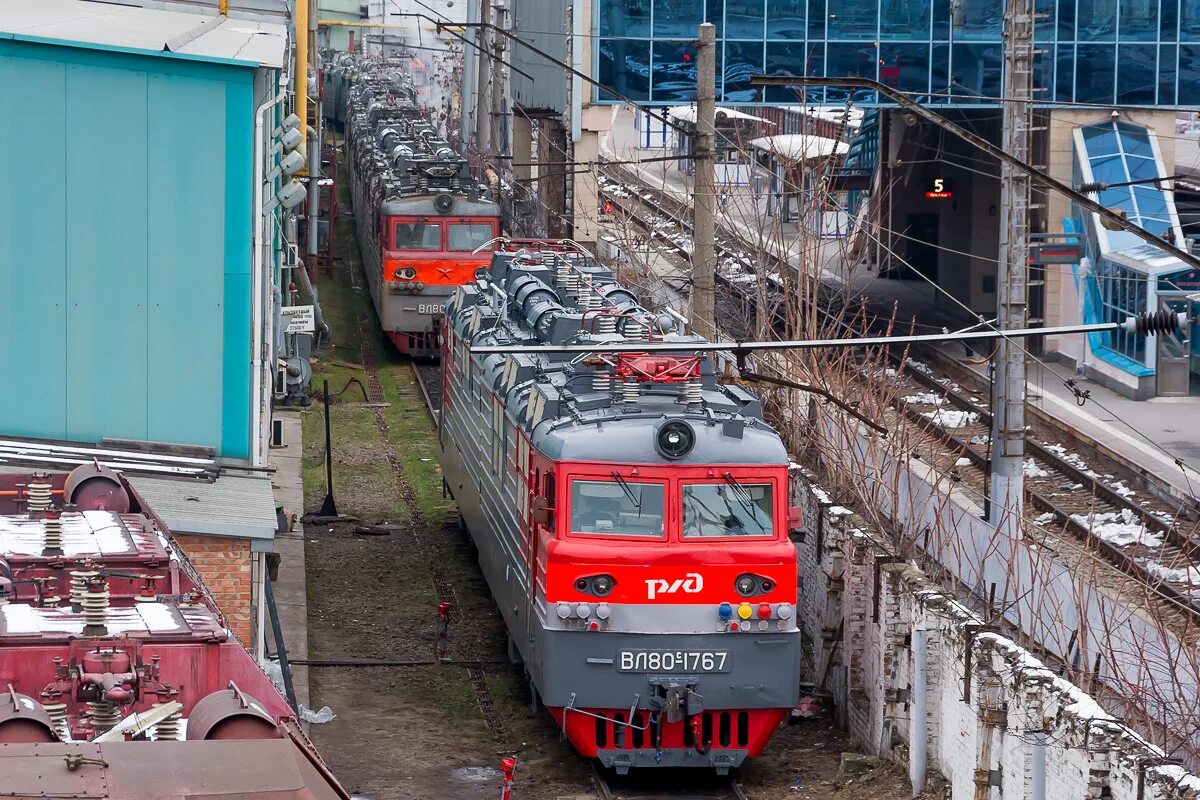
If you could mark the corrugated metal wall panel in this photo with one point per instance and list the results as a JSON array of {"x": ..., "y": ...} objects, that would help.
[
  {"x": 33, "y": 253},
  {"x": 125, "y": 252},
  {"x": 543, "y": 24}
]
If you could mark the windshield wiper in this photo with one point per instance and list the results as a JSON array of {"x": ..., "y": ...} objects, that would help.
[
  {"x": 743, "y": 496},
  {"x": 628, "y": 492}
]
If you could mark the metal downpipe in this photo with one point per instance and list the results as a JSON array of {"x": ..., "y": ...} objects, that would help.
[
  {"x": 920, "y": 735},
  {"x": 314, "y": 210}
]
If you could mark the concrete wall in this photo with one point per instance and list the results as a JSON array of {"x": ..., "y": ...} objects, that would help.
[
  {"x": 125, "y": 246},
  {"x": 919, "y": 679}
]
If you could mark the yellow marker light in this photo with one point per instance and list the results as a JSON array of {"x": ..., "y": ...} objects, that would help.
[{"x": 745, "y": 611}]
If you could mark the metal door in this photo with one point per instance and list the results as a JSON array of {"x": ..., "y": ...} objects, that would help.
[{"x": 1174, "y": 355}]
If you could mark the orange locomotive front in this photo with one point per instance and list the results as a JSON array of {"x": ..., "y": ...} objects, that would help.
[{"x": 630, "y": 514}]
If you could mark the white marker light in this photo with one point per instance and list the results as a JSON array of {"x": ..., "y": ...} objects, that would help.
[
  {"x": 602, "y": 611},
  {"x": 564, "y": 610},
  {"x": 583, "y": 611},
  {"x": 784, "y": 611}
]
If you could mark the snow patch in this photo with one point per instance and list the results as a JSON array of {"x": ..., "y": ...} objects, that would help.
[
  {"x": 1033, "y": 470},
  {"x": 963, "y": 462},
  {"x": 925, "y": 398},
  {"x": 1119, "y": 528},
  {"x": 1188, "y": 575},
  {"x": 951, "y": 418}
]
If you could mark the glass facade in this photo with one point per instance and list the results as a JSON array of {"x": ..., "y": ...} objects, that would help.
[{"x": 1137, "y": 52}]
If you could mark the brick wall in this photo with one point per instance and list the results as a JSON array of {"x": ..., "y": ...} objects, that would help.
[{"x": 224, "y": 565}]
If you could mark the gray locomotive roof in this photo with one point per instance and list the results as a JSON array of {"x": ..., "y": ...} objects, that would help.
[
  {"x": 579, "y": 409},
  {"x": 423, "y": 204}
]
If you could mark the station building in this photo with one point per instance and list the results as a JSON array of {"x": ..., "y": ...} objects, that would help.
[
  {"x": 938, "y": 215},
  {"x": 140, "y": 264}
]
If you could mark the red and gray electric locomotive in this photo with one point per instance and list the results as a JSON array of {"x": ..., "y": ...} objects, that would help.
[
  {"x": 630, "y": 514},
  {"x": 419, "y": 216}
]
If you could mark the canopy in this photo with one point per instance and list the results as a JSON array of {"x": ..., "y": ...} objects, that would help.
[
  {"x": 799, "y": 146},
  {"x": 688, "y": 114}
]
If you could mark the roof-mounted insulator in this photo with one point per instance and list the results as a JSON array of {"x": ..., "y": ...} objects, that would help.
[
  {"x": 631, "y": 390},
  {"x": 602, "y": 382},
  {"x": 37, "y": 493},
  {"x": 635, "y": 329},
  {"x": 95, "y": 607},
  {"x": 606, "y": 325},
  {"x": 80, "y": 578},
  {"x": 692, "y": 393},
  {"x": 52, "y": 541}
]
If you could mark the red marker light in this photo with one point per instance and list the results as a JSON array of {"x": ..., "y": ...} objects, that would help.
[
  {"x": 593, "y": 626},
  {"x": 733, "y": 626},
  {"x": 764, "y": 611}
]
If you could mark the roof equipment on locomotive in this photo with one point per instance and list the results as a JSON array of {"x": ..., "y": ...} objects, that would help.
[
  {"x": 420, "y": 216},
  {"x": 630, "y": 514},
  {"x": 120, "y": 677}
]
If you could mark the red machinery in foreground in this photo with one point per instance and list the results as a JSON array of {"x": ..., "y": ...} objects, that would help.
[{"x": 118, "y": 675}]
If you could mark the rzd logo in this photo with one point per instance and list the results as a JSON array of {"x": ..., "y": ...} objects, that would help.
[{"x": 691, "y": 583}]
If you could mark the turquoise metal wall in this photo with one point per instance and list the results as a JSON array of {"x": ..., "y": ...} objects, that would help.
[{"x": 125, "y": 246}]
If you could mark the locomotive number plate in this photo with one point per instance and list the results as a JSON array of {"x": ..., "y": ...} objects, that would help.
[
  {"x": 673, "y": 661},
  {"x": 430, "y": 308}
]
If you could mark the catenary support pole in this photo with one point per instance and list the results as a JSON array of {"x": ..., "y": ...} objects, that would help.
[
  {"x": 1007, "y": 485},
  {"x": 920, "y": 721},
  {"x": 704, "y": 255},
  {"x": 485, "y": 49}
]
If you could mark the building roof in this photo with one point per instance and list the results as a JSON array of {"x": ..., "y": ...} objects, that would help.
[
  {"x": 799, "y": 146},
  {"x": 240, "y": 506},
  {"x": 77, "y": 23},
  {"x": 688, "y": 114},
  {"x": 839, "y": 115}
]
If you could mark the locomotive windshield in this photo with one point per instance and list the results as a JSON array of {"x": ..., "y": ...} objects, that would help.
[
  {"x": 728, "y": 509},
  {"x": 418, "y": 236},
  {"x": 617, "y": 508},
  {"x": 469, "y": 235}
]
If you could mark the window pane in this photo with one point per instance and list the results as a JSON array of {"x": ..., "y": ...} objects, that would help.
[
  {"x": 1094, "y": 83},
  {"x": 1097, "y": 21},
  {"x": 722, "y": 509},
  {"x": 785, "y": 20},
  {"x": 854, "y": 59},
  {"x": 904, "y": 19},
  {"x": 1043, "y": 73},
  {"x": 675, "y": 71},
  {"x": 939, "y": 78},
  {"x": 744, "y": 19},
  {"x": 617, "y": 509},
  {"x": 1166, "y": 75},
  {"x": 1066, "y": 20},
  {"x": 851, "y": 19},
  {"x": 1139, "y": 20},
  {"x": 1189, "y": 75},
  {"x": 904, "y": 67},
  {"x": 792, "y": 58},
  {"x": 625, "y": 18},
  {"x": 1168, "y": 26},
  {"x": 977, "y": 70},
  {"x": 469, "y": 235},
  {"x": 1044, "y": 32},
  {"x": 816, "y": 18},
  {"x": 678, "y": 18},
  {"x": 941, "y": 20},
  {"x": 977, "y": 19},
  {"x": 742, "y": 60},
  {"x": 418, "y": 236},
  {"x": 625, "y": 66},
  {"x": 1064, "y": 80},
  {"x": 1189, "y": 21}
]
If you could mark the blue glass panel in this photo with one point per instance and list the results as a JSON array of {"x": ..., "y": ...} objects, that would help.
[
  {"x": 1100, "y": 140},
  {"x": 1094, "y": 83},
  {"x": 1097, "y": 21},
  {"x": 855, "y": 59},
  {"x": 1066, "y": 20},
  {"x": 1135, "y": 139},
  {"x": 1168, "y": 26},
  {"x": 1064, "y": 80},
  {"x": 714, "y": 12},
  {"x": 785, "y": 19},
  {"x": 742, "y": 60},
  {"x": 1189, "y": 75},
  {"x": 1189, "y": 20},
  {"x": 792, "y": 58},
  {"x": 1043, "y": 74},
  {"x": 625, "y": 66},
  {"x": 1044, "y": 32},
  {"x": 941, "y": 20},
  {"x": 674, "y": 78},
  {"x": 1108, "y": 169},
  {"x": 939, "y": 71},
  {"x": 851, "y": 19},
  {"x": 1139, "y": 20},
  {"x": 816, "y": 18},
  {"x": 977, "y": 70},
  {"x": 625, "y": 18},
  {"x": 1137, "y": 74},
  {"x": 1166, "y": 74},
  {"x": 977, "y": 20},
  {"x": 1152, "y": 204},
  {"x": 677, "y": 18},
  {"x": 744, "y": 19},
  {"x": 904, "y": 19},
  {"x": 904, "y": 67},
  {"x": 1141, "y": 169}
]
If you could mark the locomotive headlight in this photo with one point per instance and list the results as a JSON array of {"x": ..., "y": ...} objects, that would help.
[
  {"x": 480, "y": 273},
  {"x": 583, "y": 611},
  {"x": 784, "y": 611},
  {"x": 745, "y": 611},
  {"x": 404, "y": 274},
  {"x": 746, "y": 585},
  {"x": 564, "y": 610},
  {"x": 602, "y": 585},
  {"x": 675, "y": 439}
]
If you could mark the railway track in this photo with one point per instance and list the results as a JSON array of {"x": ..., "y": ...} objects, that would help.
[
  {"x": 670, "y": 784},
  {"x": 1145, "y": 533}
]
